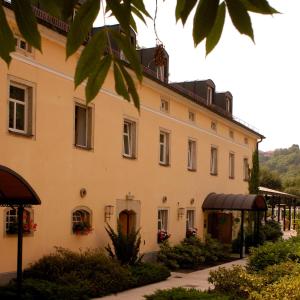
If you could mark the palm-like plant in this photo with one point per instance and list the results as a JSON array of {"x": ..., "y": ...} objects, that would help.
[{"x": 126, "y": 246}]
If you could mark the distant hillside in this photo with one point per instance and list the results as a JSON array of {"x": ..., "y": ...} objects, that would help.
[{"x": 286, "y": 163}]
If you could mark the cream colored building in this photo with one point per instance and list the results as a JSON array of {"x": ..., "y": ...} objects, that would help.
[{"x": 151, "y": 169}]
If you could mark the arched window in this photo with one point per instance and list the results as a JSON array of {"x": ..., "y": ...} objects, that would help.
[
  {"x": 11, "y": 221},
  {"x": 81, "y": 221}
]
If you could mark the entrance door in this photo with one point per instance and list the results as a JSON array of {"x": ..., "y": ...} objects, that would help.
[
  {"x": 127, "y": 219},
  {"x": 220, "y": 227}
]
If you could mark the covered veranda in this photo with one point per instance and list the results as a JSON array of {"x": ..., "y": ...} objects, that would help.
[
  {"x": 281, "y": 206},
  {"x": 16, "y": 192},
  {"x": 236, "y": 202}
]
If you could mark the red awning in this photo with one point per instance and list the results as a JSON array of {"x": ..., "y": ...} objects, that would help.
[{"x": 15, "y": 190}]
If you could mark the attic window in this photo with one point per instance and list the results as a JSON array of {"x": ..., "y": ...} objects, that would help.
[
  {"x": 246, "y": 141},
  {"x": 160, "y": 72},
  {"x": 164, "y": 105},
  {"x": 192, "y": 116},
  {"x": 209, "y": 95},
  {"x": 22, "y": 45},
  {"x": 231, "y": 134},
  {"x": 227, "y": 104},
  {"x": 213, "y": 125}
]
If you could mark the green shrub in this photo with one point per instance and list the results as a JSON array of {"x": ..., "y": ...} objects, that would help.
[
  {"x": 184, "y": 294},
  {"x": 274, "y": 253},
  {"x": 286, "y": 288},
  {"x": 147, "y": 273},
  {"x": 34, "y": 289},
  {"x": 275, "y": 272},
  {"x": 272, "y": 230},
  {"x": 192, "y": 253},
  {"x": 235, "y": 281},
  {"x": 126, "y": 246}
]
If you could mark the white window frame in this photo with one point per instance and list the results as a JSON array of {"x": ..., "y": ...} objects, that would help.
[
  {"x": 188, "y": 220},
  {"x": 164, "y": 146},
  {"x": 209, "y": 95},
  {"x": 192, "y": 155},
  {"x": 88, "y": 126},
  {"x": 15, "y": 102},
  {"x": 246, "y": 169},
  {"x": 160, "y": 72},
  {"x": 86, "y": 212},
  {"x": 131, "y": 136},
  {"x": 231, "y": 165},
  {"x": 11, "y": 217},
  {"x": 164, "y": 105},
  {"x": 214, "y": 160},
  {"x": 162, "y": 219},
  {"x": 227, "y": 101}
]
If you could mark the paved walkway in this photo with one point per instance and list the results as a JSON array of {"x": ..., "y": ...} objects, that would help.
[{"x": 197, "y": 279}]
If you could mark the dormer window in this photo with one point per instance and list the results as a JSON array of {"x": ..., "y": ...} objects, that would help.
[
  {"x": 209, "y": 95},
  {"x": 227, "y": 104},
  {"x": 160, "y": 72}
]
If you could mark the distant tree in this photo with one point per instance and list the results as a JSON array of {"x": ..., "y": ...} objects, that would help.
[
  {"x": 254, "y": 174},
  {"x": 269, "y": 179},
  {"x": 97, "y": 56}
]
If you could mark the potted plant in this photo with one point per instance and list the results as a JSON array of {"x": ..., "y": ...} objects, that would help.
[
  {"x": 28, "y": 227},
  {"x": 191, "y": 232},
  {"x": 82, "y": 228},
  {"x": 162, "y": 235}
]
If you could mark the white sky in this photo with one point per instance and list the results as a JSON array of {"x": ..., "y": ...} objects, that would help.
[{"x": 263, "y": 77}]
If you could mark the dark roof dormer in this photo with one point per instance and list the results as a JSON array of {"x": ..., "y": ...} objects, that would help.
[
  {"x": 156, "y": 62},
  {"x": 117, "y": 27},
  {"x": 224, "y": 101},
  {"x": 203, "y": 88}
]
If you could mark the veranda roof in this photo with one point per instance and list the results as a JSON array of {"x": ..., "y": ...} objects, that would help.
[
  {"x": 215, "y": 201},
  {"x": 15, "y": 190}
]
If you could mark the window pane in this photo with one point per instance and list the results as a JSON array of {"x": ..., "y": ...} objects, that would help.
[
  {"x": 11, "y": 114},
  {"x": 80, "y": 126},
  {"x": 17, "y": 93},
  {"x": 126, "y": 145},
  {"x": 20, "y": 116}
]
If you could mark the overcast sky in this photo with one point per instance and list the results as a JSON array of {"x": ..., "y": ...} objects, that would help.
[{"x": 262, "y": 77}]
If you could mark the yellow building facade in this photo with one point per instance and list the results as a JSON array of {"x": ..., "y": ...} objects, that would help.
[{"x": 152, "y": 169}]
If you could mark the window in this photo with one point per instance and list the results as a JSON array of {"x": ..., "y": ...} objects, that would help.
[
  {"x": 246, "y": 169},
  {"x": 160, "y": 72},
  {"x": 81, "y": 221},
  {"x": 190, "y": 223},
  {"x": 231, "y": 165},
  {"x": 22, "y": 45},
  {"x": 83, "y": 126},
  {"x": 213, "y": 125},
  {"x": 214, "y": 161},
  {"x": 209, "y": 95},
  {"x": 191, "y": 155},
  {"x": 164, "y": 148},
  {"x": 246, "y": 141},
  {"x": 20, "y": 108},
  {"x": 192, "y": 116},
  {"x": 164, "y": 105},
  {"x": 11, "y": 222},
  {"x": 231, "y": 134},
  {"x": 162, "y": 222},
  {"x": 129, "y": 139},
  {"x": 227, "y": 104}
]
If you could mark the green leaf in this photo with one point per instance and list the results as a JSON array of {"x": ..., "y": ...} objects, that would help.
[
  {"x": 133, "y": 23},
  {"x": 259, "y": 6},
  {"x": 7, "y": 40},
  {"x": 131, "y": 87},
  {"x": 184, "y": 12},
  {"x": 119, "y": 83},
  {"x": 27, "y": 23},
  {"x": 139, "y": 4},
  {"x": 121, "y": 12},
  {"x": 91, "y": 53},
  {"x": 178, "y": 10},
  {"x": 240, "y": 17},
  {"x": 216, "y": 32},
  {"x": 96, "y": 79},
  {"x": 138, "y": 14},
  {"x": 82, "y": 25},
  {"x": 204, "y": 19},
  {"x": 129, "y": 51}
]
